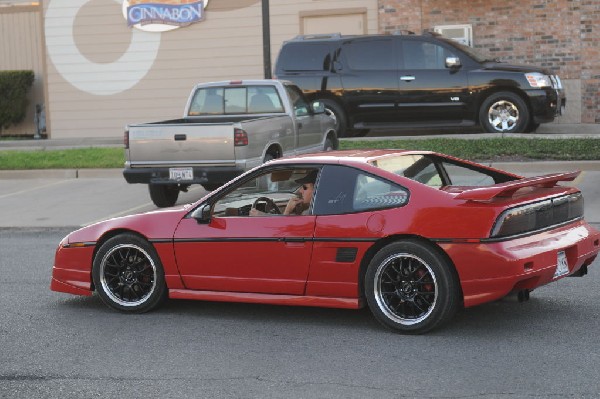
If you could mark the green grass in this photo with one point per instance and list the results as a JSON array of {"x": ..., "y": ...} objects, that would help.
[
  {"x": 492, "y": 149},
  {"x": 495, "y": 149},
  {"x": 80, "y": 158}
]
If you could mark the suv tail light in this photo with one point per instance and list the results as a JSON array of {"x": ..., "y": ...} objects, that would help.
[
  {"x": 240, "y": 137},
  {"x": 126, "y": 139}
]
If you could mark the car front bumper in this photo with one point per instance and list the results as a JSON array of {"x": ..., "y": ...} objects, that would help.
[{"x": 546, "y": 104}]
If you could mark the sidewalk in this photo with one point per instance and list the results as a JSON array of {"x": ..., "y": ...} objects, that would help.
[{"x": 547, "y": 130}]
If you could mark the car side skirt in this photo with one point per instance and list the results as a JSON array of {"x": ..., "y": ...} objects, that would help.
[{"x": 271, "y": 299}]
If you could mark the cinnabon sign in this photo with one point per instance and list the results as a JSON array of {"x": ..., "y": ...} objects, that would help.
[{"x": 165, "y": 15}]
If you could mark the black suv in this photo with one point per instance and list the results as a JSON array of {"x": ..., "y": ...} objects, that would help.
[{"x": 407, "y": 80}]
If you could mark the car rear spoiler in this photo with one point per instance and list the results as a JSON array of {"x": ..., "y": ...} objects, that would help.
[{"x": 509, "y": 188}]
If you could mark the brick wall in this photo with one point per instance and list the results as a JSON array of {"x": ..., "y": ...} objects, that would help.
[{"x": 563, "y": 35}]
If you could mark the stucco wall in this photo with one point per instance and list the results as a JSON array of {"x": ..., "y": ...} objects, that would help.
[{"x": 105, "y": 75}]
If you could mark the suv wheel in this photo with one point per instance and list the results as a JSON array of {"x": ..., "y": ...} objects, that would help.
[
  {"x": 337, "y": 113},
  {"x": 504, "y": 112}
]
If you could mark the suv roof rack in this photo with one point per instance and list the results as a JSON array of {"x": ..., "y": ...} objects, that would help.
[
  {"x": 400, "y": 32},
  {"x": 319, "y": 36}
]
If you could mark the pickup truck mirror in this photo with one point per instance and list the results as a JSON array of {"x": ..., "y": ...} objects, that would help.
[
  {"x": 202, "y": 214},
  {"x": 453, "y": 62},
  {"x": 318, "y": 107}
]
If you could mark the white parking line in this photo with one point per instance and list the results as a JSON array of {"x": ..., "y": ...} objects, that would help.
[{"x": 32, "y": 189}]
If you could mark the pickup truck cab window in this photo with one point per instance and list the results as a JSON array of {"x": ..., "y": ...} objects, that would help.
[{"x": 235, "y": 100}]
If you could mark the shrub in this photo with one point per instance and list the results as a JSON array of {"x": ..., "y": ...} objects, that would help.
[{"x": 14, "y": 86}]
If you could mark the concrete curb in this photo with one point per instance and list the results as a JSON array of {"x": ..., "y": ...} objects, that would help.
[{"x": 61, "y": 174}]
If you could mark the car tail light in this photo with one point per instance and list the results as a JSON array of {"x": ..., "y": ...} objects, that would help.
[
  {"x": 538, "y": 216},
  {"x": 126, "y": 139},
  {"x": 240, "y": 137}
]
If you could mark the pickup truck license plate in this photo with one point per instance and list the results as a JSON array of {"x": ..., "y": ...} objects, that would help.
[
  {"x": 562, "y": 267},
  {"x": 181, "y": 174}
]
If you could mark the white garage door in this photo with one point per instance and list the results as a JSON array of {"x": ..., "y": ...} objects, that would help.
[{"x": 347, "y": 24}]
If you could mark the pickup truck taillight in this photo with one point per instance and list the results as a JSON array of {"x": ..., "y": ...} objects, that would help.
[
  {"x": 240, "y": 137},
  {"x": 126, "y": 139}
]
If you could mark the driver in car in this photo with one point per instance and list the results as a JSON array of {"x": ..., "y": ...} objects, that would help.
[{"x": 297, "y": 205}]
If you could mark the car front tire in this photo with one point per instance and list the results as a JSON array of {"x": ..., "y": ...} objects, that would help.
[
  {"x": 411, "y": 288},
  {"x": 128, "y": 274},
  {"x": 504, "y": 112}
]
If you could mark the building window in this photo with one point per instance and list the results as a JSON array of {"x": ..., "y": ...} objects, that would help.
[{"x": 461, "y": 33}]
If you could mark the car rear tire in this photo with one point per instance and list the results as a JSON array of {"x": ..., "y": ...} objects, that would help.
[
  {"x": 328, "y": 145},
  {"x": 163, "y": 195},
  {"x": 128, "y": 274},
  {"x": 335, "y": 111},
  {"x": 504, "y": 112},
  {"x": 411, "y": 288}
]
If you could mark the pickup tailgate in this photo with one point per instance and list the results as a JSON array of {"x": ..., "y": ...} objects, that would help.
[{"x": 189, "y": 144}]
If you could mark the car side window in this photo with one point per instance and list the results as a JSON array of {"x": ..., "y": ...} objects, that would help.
[
  {"x": 298, "y": 101},
  {"x": 371, "y": 54},
  {"x": 424, "y": 55},
  {"x": 414, "y": 166},
  {"x": 342, "y": 189},
  {"x": 461, "y": 176},
  {"x": 277, "y": 186}
]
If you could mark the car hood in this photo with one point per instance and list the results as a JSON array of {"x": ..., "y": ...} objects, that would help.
[
  {"x": 500, "y": 66},
  {"x": 159, "y": 224}
]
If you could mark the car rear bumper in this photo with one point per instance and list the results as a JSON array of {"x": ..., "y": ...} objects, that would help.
[
  {"x": 490, "y": 271},
  {"x": 202, "y": 175}
]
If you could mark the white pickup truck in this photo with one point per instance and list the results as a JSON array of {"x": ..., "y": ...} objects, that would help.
[{"x": 227, "y": 128}]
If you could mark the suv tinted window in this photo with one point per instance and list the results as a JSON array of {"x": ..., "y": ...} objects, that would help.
[
  {"x": 424, "y": 55},
  {"x": 305, "y": 57},
  {"x": 373, "y": 54}
]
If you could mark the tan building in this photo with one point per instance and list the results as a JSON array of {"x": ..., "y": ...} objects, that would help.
[{"x": 95, "y": 74}]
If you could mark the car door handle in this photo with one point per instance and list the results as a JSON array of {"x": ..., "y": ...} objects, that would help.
[
  {"x": 180, "y": 137},
  {"x": 407, "y": 78}
]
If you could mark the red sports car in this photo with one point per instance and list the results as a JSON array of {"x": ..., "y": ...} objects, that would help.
[{"x": 413, "y": 235}]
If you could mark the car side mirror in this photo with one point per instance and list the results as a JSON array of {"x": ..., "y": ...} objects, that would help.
[
  {"x": 318, "y": 107},
  {"x": 202, "y": 214},
  {"x": 453, "y": 62}
]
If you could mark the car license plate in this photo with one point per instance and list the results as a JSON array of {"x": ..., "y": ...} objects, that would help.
[
  {"x": 181, "y": 174},
  {"x": 562, "y": 267}
]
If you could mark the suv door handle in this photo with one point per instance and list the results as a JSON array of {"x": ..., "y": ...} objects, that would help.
[
  {"x": 180, "y": 137},
  {"x": 407, "y": 78}
]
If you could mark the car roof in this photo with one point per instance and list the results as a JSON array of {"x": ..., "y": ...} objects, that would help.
[{"x": 349, "y": 156}]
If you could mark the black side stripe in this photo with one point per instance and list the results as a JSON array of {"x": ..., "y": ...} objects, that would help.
[{"x": 263, "y": 239}]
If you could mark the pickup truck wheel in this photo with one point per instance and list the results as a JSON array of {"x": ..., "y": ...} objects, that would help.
[
  {"x": 328, "y": 145},
  {"x": 337, "y": 113},
  {"x": 163, "y": 195},
  {"x": 211, "y": 187},
  {"x": 504, "y": 112}
]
